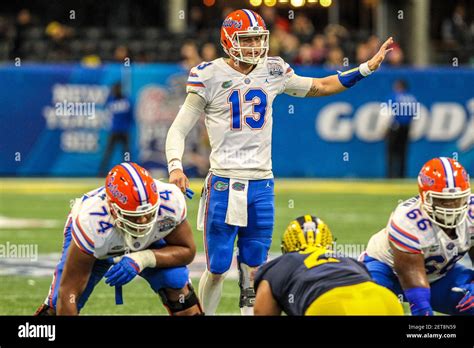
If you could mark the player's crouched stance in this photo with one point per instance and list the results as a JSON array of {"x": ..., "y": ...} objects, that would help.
[
  {"x": 417, "y": 253},
  {"x": 310, "y": 279},
  {"x": 135, "y": 225}
]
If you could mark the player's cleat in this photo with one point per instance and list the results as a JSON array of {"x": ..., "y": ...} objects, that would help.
[{"x": 45, "y": 311}]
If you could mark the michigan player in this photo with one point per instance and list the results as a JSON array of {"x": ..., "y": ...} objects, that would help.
[
  {"x": 310, "y": 279},
  {"x": 417, "y": 253},
  {"x": 236, "y": 95},
  {"x": 139, "y": 224}
]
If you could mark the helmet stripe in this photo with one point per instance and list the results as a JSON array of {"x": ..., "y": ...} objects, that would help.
[
  {"x": 252, "y": 18},
  {"x": 137, "y": 180},
  {"x": 448, "y": 170}
]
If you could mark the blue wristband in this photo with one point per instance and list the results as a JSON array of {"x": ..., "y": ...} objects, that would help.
[
  {"x": 419, "y": 299},
  {"x": 350, "y": 77}
]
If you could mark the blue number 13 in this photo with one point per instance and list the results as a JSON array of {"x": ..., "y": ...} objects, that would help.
[{"x": 258, "y": 99}]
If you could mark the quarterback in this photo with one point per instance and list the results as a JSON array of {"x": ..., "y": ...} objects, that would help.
[
  {"x": 416, "y": 255},
  {"x": 236, "y": 94},
  {"x": 310, "y": 279},
  {"x": 134, "y": 225}
]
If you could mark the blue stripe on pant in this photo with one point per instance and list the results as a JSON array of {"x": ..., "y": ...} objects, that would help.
[
  {"x": 443, "y": 300},
  {"x": 157, "y": 278},
  {"x": 253, "y": 241}
]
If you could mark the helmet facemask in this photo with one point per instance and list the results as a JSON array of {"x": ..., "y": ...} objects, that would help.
[
  {"x": 239, "y": 49},
  {"x": 126, "y": 220},
  {"x": 447, "y": 209}
]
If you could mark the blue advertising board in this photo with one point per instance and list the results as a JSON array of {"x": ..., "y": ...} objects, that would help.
[{"x": 54, "y": 121}]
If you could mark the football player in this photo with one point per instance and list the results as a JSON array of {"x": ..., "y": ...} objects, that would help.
[
  {"x": 132, "y": 226},
  {"x": 310, "y": 279},
  {"x": 236, "y": 94},
  {"x": 417, "y": 254}
]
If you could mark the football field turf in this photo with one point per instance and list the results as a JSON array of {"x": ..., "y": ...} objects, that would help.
[{"x": 33, "y": 211}]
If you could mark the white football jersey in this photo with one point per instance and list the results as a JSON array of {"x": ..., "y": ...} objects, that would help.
[
  {"x": 238, "y": 114},
  {"x": 94, "y": 233},
  {"x": 410, "y": 230}
]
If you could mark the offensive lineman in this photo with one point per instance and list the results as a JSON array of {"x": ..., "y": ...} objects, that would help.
[
  {"x": 236, "y": 96},
  {"x": 139, "y": 224},
  {"x": 310, "y": 279},
  {"x": 417, "y": 253}
]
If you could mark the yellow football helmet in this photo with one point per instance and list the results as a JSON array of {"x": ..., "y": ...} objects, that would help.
[{"x": 306, "y": 232}]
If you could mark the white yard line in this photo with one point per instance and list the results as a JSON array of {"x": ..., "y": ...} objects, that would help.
[
  {"x": 17, "y": 223},
  {"x": 44, "y": 266}
]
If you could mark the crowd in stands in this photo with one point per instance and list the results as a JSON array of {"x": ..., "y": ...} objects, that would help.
[{"x": 296, "y": 40}]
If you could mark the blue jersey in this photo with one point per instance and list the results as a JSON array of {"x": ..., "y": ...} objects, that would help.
[
  {"x": 298, "y": 279},
  {"x": 404, "y": 108},
  {"x": 121, "y": 111}
]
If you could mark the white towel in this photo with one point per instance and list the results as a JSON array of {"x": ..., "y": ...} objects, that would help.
[
  {"x": 237, "y": 205},
  {"x": 202, "y": 205}
]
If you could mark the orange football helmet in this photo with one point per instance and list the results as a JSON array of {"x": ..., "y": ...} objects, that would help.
[
  {"x": 133, "y": 198},
  {"x": 444, "y": 190},
  {"x": 238, "y": 29}
]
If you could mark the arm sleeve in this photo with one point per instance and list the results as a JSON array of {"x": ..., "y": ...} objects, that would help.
[
  {"x": 298, "y": 86},
  {"x": 187, "y": 117}
]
